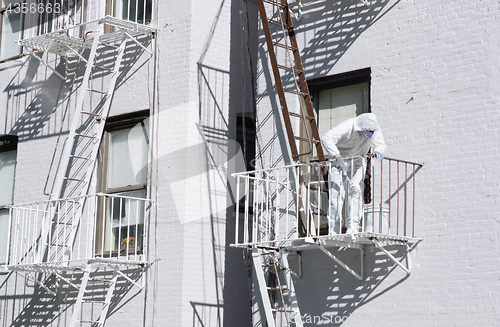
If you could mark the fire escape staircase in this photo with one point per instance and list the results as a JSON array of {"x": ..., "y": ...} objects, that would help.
[
  {"x": 78, "y": 158},
  {"x": 277, "y": 292}
]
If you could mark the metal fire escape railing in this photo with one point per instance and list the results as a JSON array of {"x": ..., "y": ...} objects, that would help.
[
  {"x": 119, "y": 219},
  {"x": 271, "y": 211},
  {"x": 74, "y": 231}
]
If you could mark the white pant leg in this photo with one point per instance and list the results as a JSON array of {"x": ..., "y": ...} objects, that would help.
[
  {"x": 356, "y": 171},
  {"x": 336, "y": 195}
]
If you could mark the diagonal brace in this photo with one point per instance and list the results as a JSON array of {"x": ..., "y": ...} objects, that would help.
[
  {"x": 406, "y": 269},
  {"x": 45, "y": 63},
  {"x": 341, "y": 263},
  {"x": 41, "y": 284}
]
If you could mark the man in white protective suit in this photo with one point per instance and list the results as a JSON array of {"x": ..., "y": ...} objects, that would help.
[{"x": 351, "y": 138}]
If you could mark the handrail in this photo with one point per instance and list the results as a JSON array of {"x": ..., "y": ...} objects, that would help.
[
  {"x": 108, "y": 226},
  {"x": 282, "y": 204}
]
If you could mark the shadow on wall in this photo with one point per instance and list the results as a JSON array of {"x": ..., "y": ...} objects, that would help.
[
  {"x": 36, "y": 104},
  {"x": 333, "y": 27},
  {"x": 34, "y": 306},
  {"x": 328, "y": 295}
]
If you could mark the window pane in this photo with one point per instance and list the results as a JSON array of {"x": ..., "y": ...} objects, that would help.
[
  {"x": 7, "y": 169},
  {"x": 135, "y": 10},
  {"x": 124, "y": 224},
  {"x": 11, "y": 32},
  {"x": 127, "y": 157},
  {"x": 337, "y": 105},
  {"x": 4, "y": 233}
]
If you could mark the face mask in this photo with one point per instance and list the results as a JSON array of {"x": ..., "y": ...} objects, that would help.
[{"x": 367, "y": 134}]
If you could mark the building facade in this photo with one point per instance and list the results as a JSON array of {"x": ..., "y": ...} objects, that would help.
[{"x": 126, "y": 195}]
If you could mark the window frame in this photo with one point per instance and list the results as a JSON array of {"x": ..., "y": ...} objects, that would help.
[{"x": 115, "y": 123}]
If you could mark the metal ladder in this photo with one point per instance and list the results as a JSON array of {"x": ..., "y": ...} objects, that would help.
[
  {"x": 79, "y": 156},
  {"x": 281, "y": 40},
  {"x": 275, "y": 263},
  {"x": 85, "y": 296}
]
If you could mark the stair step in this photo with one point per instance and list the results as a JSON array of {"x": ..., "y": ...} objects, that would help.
[
  {"x": 103, "y": 68},
  {"x": 301, "y": 116},
  {"x": 92, "y": 114},
  {"x": 283, "y": 310},
  {"x": 306, "y": 140},
  {"x": 83, "y": 158},
  {"x": 87, "y": 136},
  {"x": 284, "y": 46},
  {"x": 278, "y": 23},
  {"x": 274, "y": 3},
  {"x": 296, "y": 71},
  {"x": 75, "y": 180},
  {"x": 282, "y": 289},
  {"x": 295, "y": 92},
  {"x": 89, "y": 321},
  {"x": 94, "y": 301},
  {"x": 97, "y": 91}
]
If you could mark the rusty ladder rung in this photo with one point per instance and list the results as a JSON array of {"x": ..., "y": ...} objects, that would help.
[
  {"x": 284, "y": 46},
  {"x": 278, "y": 23},
  {"x": 295, "y": 92},
  {"x": 296, "y": 71},
  {"x": 301, "y": 116},
  {"x": 307, "y": 140},
  {"x": 274, "y": 3}
]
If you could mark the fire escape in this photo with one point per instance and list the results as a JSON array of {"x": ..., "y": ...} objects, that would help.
[
  {"x": 284, "y": 210},
  {"x": 88, "y": 241}
]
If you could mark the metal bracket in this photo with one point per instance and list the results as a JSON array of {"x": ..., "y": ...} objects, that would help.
[
  {"x": 32, "y": 53},
  {"x": 407, "y": 269},
  {"x": 359, "y": 276},
  {"x": 41, "y": 284}
]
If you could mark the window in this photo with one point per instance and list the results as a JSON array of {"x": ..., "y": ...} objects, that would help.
[
  {"x": 11, "y": 29},
  {"x": 335, "y": 99},
  {"x": 8, "y": 154},
  {"x": 123, "y": 169},
  {"x": 340, "y": 97},
  {"x": 138, "y": 11}
]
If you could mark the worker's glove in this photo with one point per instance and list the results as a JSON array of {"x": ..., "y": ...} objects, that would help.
[
  {"x": 338, "y": 162},
  {"x": 379, "y": 155}
]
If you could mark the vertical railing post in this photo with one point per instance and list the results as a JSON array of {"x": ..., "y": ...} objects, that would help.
[{"x": 236, "y": 223}]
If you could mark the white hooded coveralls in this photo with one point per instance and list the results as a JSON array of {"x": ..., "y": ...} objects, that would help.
[{"x": 346, "y": 141}]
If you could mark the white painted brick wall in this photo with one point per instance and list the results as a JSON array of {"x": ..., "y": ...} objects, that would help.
[{"x": 435, "y": 89}]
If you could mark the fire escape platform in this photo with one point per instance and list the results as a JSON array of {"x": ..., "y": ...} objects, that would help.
[
  {"x": 62, "y": 43},
  {"x": 77, "y": 265},
  {"x": 356, "y": 240}
]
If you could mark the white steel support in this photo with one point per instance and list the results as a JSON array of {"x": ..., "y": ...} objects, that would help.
[
  {"x": 79, "y": 298},
  {"x": 32, "y": 53},
  {"x": 390, "y": 256},
  {"x": 294, "y": 305},
  {"x": 343, "y": 265},
  {"x": 262, "y": 286}
]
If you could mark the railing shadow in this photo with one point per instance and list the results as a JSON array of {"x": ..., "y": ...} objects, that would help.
[
  {"x": 335, "y": 25},
  {"x": 44, "y": 309},
  {"x": 36, "y": 105},
  {"x": 333, "y": 300}
]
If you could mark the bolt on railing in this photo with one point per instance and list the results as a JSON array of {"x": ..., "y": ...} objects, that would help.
[{"x": 279, "y": 205}]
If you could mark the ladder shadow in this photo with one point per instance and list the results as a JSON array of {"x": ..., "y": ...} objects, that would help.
[
  {"x": 44, "y": 309},
  {"x": 328, "y": 294}
]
